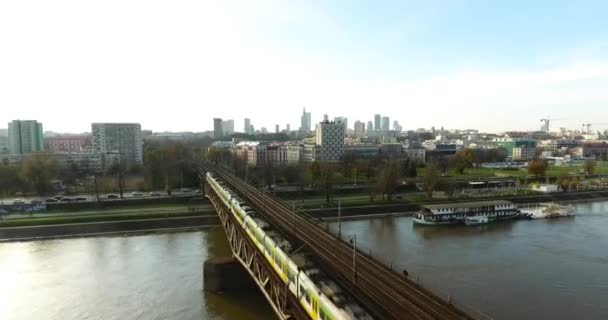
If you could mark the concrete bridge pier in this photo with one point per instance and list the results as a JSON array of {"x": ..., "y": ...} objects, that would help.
[{"x": 225, "y": 274}]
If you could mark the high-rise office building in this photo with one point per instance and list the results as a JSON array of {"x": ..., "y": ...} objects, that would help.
[
  {"x": 228, "y": 127},
  {"x": 25, "y": 136},
  {"x": 124, "y": 138},
  {"x": 370, "y": 126},
  {"x": 377, "y": 119},
  {"x": 344, "y": 121},
  {"x": 386, "y": 123},
  {"x": 287, "y": 128},
  {"x": 330, "y": 137},
  {"x": 305, "y": 121},
  {"x": 218, "y": 129},
  {"x": 276, "y": 128},
  {"x": 359, "y": 129},
  {"x": 247, "y": 126},
  {"x": 396, "y": 126}
]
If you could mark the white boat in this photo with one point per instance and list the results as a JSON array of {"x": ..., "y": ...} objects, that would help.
[
  {"x": 457, "y": 213},
  {"x": 548, "y": 210},
  {"x": 476, "y": 220}
]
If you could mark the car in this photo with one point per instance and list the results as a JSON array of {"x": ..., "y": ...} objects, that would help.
[
  {"x": 19, "y": 201},
  {"x": 154, "y": 194},
  {"x": 58, "y": 198},
  {"x": 66, "y": 199},
  {"x": 112, "y": 196},
  {"x": 136, "y": 194},
  {"x": 80, "y": 199},
  {"x": 185, "y": 190},
  {"x": 49, "y": 200},
  {"x": 36, "y": 201}
]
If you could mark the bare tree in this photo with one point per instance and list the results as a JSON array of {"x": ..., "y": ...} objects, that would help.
[{"x": 432, "y": 177}]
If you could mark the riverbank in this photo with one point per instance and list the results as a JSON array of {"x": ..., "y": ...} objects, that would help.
[
  {"x": 400, "y": 209},
  {"x": 103, "y": 228}
]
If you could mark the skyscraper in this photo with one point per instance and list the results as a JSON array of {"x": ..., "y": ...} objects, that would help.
[
  {"x": 125, "y": 138},
  {"x": 305, "y": 121},
  {"x": 377, "y": 122},
  {"x": 287, "y": 128},
  {"x": 218, "y": 130},
  {"x": 359, "y": 129},
  {"x": 247, "y": 126},
  {"x": 386, "y": 123},
  {"x": 397, "y": 126},
  {"x": 25, "y": 136},
  {"x": 228, "y": 127},
  {"x": 276, "y": 128},
  {"x": 370, "y": 126}
]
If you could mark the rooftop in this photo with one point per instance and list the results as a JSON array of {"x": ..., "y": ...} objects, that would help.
[{"x": 467, "y": 204}]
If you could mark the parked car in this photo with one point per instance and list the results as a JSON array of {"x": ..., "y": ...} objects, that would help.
[
  {"x": 154, "y": 194},
  {"x": 80, "y": 199},
  {"x": 136, "y": 194},
  {"x": 36, "y": 201},
  {"x": 112, "y": 196},
  {"x": 185, "y": 190},
  {"x": 66, "y": 199},
  {"x": 58, "y": 198},
  {"x": 49, "y": 200},
  {"x": 19, "y": 201}
]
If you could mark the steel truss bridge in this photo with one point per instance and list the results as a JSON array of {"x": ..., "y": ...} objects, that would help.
[{"x": 384, "y": 293}]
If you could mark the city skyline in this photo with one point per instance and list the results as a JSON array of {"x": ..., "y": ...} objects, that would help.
[{"x": 494, "y": 67}]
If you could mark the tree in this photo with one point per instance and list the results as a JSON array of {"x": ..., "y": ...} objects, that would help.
[
  {"x": 118, "y": 169},
  {"x": 327, "y": 178},
  {"x": 10, "y": 181},
  {"x": 412, "y": 170},
  {"x": 38, "y": 170},
  {"x": 388, "y": 180},
  {"x": 589, "y": 166},
  {"x": 462, "y": 160},
  {"x": 431, "y": 178},
  {"x": 563, "y": 180},
  {"x": 537, "y": 167}
]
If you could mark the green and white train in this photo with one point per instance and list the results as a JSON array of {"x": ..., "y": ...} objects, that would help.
[{"x": 317, "y": 305}]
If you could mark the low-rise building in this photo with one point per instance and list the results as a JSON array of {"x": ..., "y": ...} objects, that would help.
[
  {"x": 361, "y": 150},
  {"x": 415, "y": 153},
  {"x": 89, "y": 162},
  {"x": 391, "y": 150},
  {"x": 523, "y": 153},
  {"x": 597, "y": 150},
  {"x": 68, "y": 143},
  {"x": 517, "y": 148}
]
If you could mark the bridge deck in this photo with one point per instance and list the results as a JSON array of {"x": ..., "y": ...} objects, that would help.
[{"x": 386, "y": 293}]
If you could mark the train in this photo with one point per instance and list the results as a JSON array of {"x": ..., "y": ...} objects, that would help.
[{"x": 313, "y": 301}]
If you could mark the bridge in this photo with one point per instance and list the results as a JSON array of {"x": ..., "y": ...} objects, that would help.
[{"x": 339, "y": 281}]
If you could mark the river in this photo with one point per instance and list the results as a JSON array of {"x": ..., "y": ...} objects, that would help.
[
  {"x": 539, "y": 269},
  {"x": 156, "y": 276},
  {"x": 527, "y": 269}
]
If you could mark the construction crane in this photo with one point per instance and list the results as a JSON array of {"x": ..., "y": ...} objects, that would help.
[{"x": 588, "y": 125}]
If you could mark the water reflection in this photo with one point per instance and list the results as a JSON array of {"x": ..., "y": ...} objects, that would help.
[{"x": 140, "y": 277}]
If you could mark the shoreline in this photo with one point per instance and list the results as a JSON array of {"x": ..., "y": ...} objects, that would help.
[{"x": 104, "y": 228}]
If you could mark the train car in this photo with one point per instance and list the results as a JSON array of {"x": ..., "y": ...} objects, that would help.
[{"x": 317, "y": 305}]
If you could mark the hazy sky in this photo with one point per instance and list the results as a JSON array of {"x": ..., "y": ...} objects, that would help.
[{"x": 174, "y": 65}]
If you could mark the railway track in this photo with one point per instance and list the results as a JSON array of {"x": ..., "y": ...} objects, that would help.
[{"x": 388, "y": 294}]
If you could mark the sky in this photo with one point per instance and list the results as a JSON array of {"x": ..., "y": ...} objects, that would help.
[{"x": 175, "y": 65}]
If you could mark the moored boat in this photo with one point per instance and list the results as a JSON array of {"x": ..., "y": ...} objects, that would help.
[
  {"x": 479, "y": 212},
  {"x": 548, "y": 210}
]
